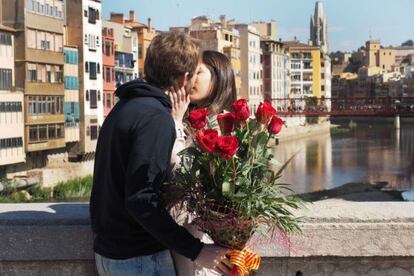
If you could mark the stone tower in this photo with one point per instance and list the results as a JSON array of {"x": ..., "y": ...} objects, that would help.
[{"x": 319, "y": 28}]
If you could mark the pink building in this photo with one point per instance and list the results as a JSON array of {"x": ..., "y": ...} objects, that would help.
[{"x": 108, "y": 69}]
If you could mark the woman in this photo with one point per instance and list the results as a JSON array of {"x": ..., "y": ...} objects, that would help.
[{"x": 214, "y": 89}]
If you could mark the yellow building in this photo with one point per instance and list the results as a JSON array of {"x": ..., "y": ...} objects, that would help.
[
  {"x": 377, "y": 56},
  {"x": 39, "y": 63},
  {"x": 306, "y": 70}
]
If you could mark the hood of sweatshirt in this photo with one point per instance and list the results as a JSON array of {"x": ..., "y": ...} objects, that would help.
[{"x": 140, "y": 88}]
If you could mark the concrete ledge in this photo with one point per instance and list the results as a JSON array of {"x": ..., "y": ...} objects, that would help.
[{"x": 339, "y": 238}]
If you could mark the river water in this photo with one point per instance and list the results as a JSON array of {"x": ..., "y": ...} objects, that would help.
[{"x": 372, "y": 150}]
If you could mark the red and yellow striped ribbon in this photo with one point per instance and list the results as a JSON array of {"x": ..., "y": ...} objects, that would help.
[{"x": 243, "y": 261}]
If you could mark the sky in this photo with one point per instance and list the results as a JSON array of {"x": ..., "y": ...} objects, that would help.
[{"x": 350, "y": 22}]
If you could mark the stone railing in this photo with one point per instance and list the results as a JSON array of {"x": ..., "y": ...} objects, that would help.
[{"x": 339, "y": 238}]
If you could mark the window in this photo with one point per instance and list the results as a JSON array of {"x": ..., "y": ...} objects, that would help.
[
  {"x": 92, "y": 42},
  {"x": 58, "y": 43},
  {"x": 30, "y": 5},
  {"x": 107, "y": 74},
  {"x": 94, "y": 132},
  {"x": 41, "y": 73},
  {"x": 59, "y": 105},
  {"x": 60, "y": 131},
  {"x": 92, "y": 71},
  {"x": 59, "y": 74},
  {"x": 11, "y": 142},
  {"x": 33, "y": 134},
  {"x": 32, "y": 72},
  {"x": 140, "y": 54},
  {"x": 108, "y": 100},
  {"x": 5, "y": 79},
  {"x": 98, "y": 68},
  {"x": 92, "y": 15},
  {"x": 87, "y": 95},
  {"x": 48, "y": 40},
  {"x": 32, "y": 105},
  {"x": 87, "y": 67},
  {"x": 42, "y": 133},
  {"x": 10, "y": 107},
  {"x": 31, "y": 39},
  {"x": 48, "y": 73},
  {"x": 40, "y": 39},
  {"x": 107, "y": 48},
  {"x": 52, "y": 131},
  {"x": 93, "y": 99}
]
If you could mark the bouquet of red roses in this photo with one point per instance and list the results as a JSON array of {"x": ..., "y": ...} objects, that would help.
[{"x": 227, "y": 181}]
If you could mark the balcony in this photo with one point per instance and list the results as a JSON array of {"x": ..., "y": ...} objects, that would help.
[
  {"x": 46, "y": 145},
  {"x": 45, "y": 119},
  {"x": 44, "y": 56},
  {"x": 44, "y": 88}
]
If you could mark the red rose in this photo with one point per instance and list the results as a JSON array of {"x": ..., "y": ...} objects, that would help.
[
  {"x": 264, "y": 113},
  {"x": 275, "y": 125},
  {"x": 226, "y": 122},
  {"x": 227, "y": 146},
  {"x": 198, "y": 118},
  {"x": 207, "y": 139},
  {"x": 241, "y": 109}
]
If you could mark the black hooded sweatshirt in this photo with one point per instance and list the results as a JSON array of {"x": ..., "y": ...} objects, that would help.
[{"x": 132, "y": 160}]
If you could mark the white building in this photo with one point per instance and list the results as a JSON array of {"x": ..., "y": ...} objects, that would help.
[
  {"x": 275, "y": 63},
  {"x": 251, "y": 66},
  {"x": 11, "y": 104},
  {"x": 84, "y": 30}
]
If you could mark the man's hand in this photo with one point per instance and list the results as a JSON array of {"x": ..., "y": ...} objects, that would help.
[{"x": 214, "y": 257}]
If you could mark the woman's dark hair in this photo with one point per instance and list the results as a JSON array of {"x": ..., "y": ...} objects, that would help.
[{"x": 223, "y": 86}]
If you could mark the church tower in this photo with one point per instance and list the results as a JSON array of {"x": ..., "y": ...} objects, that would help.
[{"x": 319, "y": 28}]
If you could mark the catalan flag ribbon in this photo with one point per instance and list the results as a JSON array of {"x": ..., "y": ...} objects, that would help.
[{"x": 243, "y": 261}]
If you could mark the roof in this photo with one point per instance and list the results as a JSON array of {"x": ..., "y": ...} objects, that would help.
[
  {"x": 7, "y": 28},
  {"x": 135, "y": 24},
  {"x": 299, "y": 45}
]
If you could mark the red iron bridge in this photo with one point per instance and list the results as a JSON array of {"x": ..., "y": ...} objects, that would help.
[{"x": 367, "y": 106}]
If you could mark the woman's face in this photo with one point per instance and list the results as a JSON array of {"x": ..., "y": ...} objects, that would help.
[{"x": 202, "y": 85}]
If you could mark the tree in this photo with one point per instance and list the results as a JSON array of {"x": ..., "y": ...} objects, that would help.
[{"x": 409, "y": 42}]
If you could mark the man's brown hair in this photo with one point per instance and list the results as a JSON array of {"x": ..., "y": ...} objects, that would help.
[{"x": 169, "y": 56}]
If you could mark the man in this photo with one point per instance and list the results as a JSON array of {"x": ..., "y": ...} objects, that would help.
[{"x": 134, "y": 231}]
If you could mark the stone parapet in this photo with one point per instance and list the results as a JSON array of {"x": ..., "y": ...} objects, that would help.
[{"x": 339, "y": 238}]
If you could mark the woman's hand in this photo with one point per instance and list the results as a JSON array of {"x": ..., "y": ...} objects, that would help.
[{"x": 179, "y": 102}]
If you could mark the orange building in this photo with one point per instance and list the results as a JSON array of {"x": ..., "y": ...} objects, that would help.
[{"x": 145, "y": 35}]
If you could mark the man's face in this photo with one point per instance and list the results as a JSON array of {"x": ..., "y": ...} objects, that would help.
[{"x": 191, "y": 81}]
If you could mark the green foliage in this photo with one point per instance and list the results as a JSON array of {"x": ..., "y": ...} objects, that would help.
[{"x": 78, "y": 189}]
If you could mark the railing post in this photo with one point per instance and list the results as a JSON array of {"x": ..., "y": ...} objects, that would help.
[{"x": 397, "y": 121}]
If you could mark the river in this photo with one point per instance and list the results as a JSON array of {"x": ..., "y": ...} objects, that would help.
[{"x": 371, "y": 150}]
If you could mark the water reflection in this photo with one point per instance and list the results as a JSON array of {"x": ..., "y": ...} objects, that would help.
[{"x": 372, "y": 151}]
